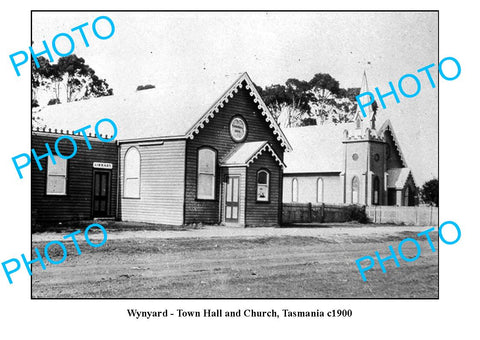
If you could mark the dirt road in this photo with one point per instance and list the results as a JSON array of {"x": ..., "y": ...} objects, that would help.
[{"x": 239, "y": 263}]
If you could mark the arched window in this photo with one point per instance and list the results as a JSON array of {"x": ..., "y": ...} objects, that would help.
[
  {"x": 376, "y": 191},
  {"x": 207, "y": 164},
  {"x": 132, "y": 174},
  {"x": 294, "y": 190},
  {"x": 320, "y": 190},
  {"x": 263, "y": 185},
  {"x": 355, "y": 190}
]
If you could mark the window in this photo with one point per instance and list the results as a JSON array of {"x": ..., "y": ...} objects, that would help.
[
  {"x": 376, "y": 190},
  {"x": 57, "y": 176},
  {"x": 355, "y": 190},
  {"x": 294, "y": 190},
  {"x": 320, "y": 190},
  {"x": 263, "y": 183},
  {"x": 207, "y": 163},
  {"x": 132, "y": 174}
]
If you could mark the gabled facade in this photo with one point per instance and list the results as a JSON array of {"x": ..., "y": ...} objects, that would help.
[
  {"x": 223, "y": 165},
  {"x": 215, "y": 172}
]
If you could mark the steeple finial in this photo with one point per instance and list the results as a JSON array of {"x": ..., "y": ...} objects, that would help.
[{"x": 371, "y": 113}]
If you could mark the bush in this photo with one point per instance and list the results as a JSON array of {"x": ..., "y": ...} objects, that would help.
[
  {"x": 358, "y": 213},
  {"x": 429, "y": 192}
]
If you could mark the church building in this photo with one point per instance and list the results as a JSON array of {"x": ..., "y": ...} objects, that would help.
[{"x": 351, "y": 163}]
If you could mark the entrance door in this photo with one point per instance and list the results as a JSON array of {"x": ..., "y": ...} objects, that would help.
[
  {"x": 231, "y": 199},
  {"x": 101, "y": 189}
]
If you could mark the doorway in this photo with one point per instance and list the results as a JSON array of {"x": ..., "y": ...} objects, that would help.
[
  {"x": 232, "y": 199},
  {"x": 101, "y": 189}
]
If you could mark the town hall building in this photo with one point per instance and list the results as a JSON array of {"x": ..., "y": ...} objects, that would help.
[{"x": 197, "y": 161}]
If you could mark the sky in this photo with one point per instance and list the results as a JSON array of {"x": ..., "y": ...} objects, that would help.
[{"x": 181, "y": 50}]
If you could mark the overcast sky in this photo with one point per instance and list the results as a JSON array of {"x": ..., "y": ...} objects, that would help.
[{"x": 171, "y": 48}]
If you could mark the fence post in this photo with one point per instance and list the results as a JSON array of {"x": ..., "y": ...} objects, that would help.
[
  {"x": 416, "y": 216},
  {"x": 431, "y": 213},
  {"x": 322, "y": 211},
  {"x": 309, "y": 212}
]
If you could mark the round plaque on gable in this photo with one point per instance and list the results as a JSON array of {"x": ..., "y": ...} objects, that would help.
[{"x": 238, "y": 129}]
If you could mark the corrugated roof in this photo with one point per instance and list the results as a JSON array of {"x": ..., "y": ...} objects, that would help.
[
  {"x": 143, "y": 114},
  {"x": 246, "y": 153},
  {"x": 397, "y": 177},
  {"x": 316, "y": 148},
  {"x": 161, "y": 112}
]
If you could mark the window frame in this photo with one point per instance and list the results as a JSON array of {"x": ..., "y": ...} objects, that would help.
[
  {"x": 358, "y": 190},
  {"x": 376, "y": 189},
  {"x": 125, "y": 173},
  {"x": 267, "y": 184},
  {"x": 320, "y": 179},
  {"x": 65, "y": 177},
  {"x": 294, "y": 192},
  {"x": 213, "y": 197}
]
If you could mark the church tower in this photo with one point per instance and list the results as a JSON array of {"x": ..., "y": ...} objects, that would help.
[{"x": 365, "y": 158}]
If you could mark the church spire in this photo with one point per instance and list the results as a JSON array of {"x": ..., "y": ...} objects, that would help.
[{"x": 371, "y": 114}]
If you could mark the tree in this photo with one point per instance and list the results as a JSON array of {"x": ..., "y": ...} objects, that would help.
[
  {"x": 299, "y": 102},
  {"x": 70, "y": 79},
  {"x": 287, "y": 103},
  {"x": 429, "y": 192},
  {"x": 329, "y": 101}
]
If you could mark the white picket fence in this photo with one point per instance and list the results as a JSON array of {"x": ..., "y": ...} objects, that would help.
[{"x": 423, "y": 216}]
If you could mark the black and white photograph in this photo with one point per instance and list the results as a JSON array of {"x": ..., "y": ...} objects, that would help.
[
  {"x": 247, "y": 170},
  {"x": 232, "y": 158}
]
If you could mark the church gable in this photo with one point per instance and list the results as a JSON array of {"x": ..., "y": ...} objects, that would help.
[{"x": 395, "y": 157}]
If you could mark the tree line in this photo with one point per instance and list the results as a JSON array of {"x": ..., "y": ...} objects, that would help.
[{"x": 314, "y": 102}]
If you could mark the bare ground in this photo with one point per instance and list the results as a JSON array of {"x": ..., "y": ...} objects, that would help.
[{"x": 219, "y": 262}]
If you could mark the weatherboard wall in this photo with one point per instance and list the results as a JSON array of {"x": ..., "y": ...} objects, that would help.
[
  {"x": 264, "y": 213},
  {"x": 77, "y": 204},
  {"x": 216, "y": 134},
  {"x": 162, "y": 174}
]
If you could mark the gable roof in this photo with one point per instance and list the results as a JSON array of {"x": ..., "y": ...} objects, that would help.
[
  {"x": 316, "y": 148},
  {"x": 156, "y": 113},
  {"x": 220, "y": 103},
  {"x": 387, "y": 125},
  {"x": 246, "y": 153},
  {"x": 398, "y": 177}
]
